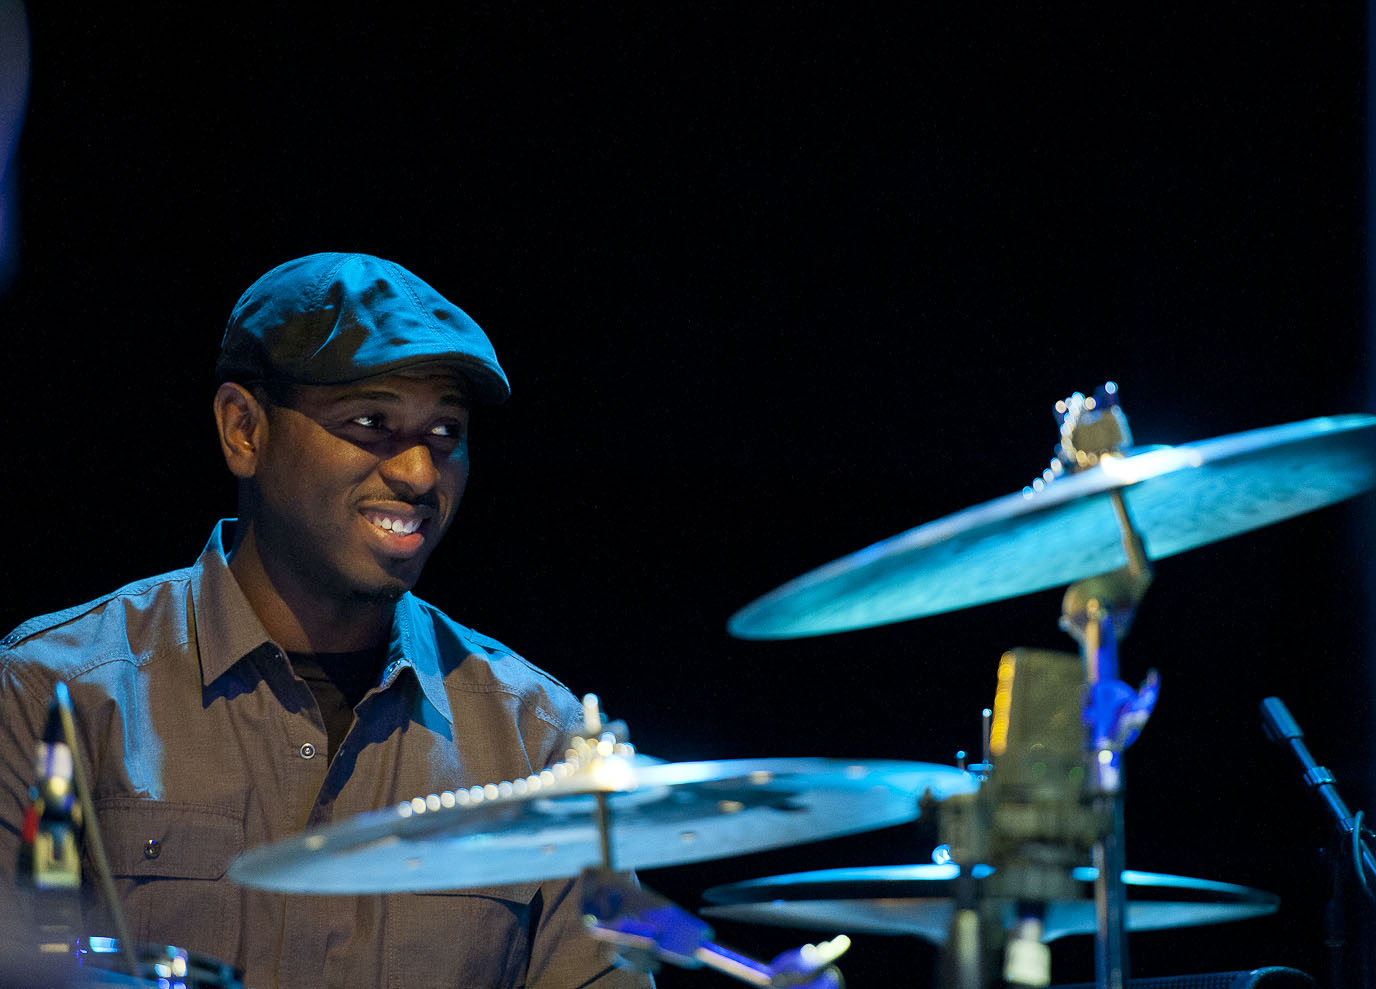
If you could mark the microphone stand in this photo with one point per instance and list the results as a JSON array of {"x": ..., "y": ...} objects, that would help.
[
  {"x": 64, "y": 819},
  {"x": 1282, "y": 729}
]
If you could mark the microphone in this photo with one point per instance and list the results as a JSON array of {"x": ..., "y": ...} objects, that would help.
[
  {"x": 50, "y": 858},
  {"x": 57, "y": 834},
  {"x": 1282, "y": 728}
]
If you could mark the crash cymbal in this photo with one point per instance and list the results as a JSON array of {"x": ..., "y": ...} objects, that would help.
[
  {"x": 544, "y": 827},
  {"x": 1179, "y": 498},
  {"x": 918, "y": 900}
]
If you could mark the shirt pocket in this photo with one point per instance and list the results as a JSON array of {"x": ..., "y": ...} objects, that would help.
[
  {"x": 476, "y": 938},
  {"x": 169, "y": 862}
]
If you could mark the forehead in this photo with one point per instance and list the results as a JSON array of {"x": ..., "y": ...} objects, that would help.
[{"x": 429, "y": 382}]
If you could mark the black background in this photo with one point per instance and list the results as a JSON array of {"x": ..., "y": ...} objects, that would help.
[{"x": 772, "y": 282}]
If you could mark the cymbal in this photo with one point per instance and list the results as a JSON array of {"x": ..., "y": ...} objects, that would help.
[
  {"x": 661, "y": 814},
  {"x": 919, "y": 900},
  {"x": 1179, "y": 498}
]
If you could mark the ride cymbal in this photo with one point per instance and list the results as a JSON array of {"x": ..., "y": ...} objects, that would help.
[{"x": 1179, "y": 498}]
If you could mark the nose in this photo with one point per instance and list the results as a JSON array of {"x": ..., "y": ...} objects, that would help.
[{"x": 411, "y": 468}]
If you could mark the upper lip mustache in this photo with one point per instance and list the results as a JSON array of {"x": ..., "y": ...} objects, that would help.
[{"x": 400, "y": 510}]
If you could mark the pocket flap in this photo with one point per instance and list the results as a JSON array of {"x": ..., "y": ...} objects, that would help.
[
  {"x": 161, "y": 839},
  {"x": 521, "y": 893}
]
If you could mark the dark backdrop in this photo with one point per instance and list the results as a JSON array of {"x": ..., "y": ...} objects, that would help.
[{"x": 772, "y": 281}]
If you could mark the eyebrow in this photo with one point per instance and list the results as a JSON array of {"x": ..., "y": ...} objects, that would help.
[{"x": 384, "y": 395}]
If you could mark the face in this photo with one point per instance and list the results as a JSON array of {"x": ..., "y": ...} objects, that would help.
[{"x": 356, "y": 483}]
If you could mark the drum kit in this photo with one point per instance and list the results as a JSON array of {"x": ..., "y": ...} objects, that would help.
[{"x": 1031, "y": 839}]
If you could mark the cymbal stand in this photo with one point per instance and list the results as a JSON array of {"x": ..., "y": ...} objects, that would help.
[
  {"x": 1097, "y": 612},
  {"x": 647, "y": 927}
]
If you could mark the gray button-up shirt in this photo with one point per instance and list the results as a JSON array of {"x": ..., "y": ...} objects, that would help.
[{"x": 200, "y": 742}]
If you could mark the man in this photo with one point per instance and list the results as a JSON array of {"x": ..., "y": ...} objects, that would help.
[{"x": 289, "y": 678}]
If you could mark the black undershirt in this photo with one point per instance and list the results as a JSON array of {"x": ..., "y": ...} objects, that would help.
[{"x": 338, "y": 681}]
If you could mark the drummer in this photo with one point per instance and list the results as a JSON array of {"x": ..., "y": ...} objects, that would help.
[{"x": 289, "y": 678}]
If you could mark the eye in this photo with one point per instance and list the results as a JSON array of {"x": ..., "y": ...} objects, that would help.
[
  {"x": 367, "y": 421},
  {"x": 449, "y": 430}
]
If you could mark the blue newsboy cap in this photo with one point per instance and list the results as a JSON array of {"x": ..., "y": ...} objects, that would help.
[{"x": 328, "y": 319}]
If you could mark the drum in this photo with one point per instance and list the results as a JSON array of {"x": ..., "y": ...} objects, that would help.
[{"x": 101, "y": 963}]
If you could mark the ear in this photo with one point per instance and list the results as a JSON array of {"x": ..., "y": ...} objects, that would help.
[{"x": 243, "y": 426}]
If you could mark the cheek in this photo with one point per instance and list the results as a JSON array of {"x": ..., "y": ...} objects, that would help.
[{"x": 453, "y": 480}]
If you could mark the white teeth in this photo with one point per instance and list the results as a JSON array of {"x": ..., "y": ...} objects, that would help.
[{"x": 404, "y": 528}]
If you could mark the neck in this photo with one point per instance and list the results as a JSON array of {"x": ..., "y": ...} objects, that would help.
[{"x": 297, "y": 614}]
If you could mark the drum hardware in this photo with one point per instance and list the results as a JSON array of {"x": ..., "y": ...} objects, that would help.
[
  {"x": 1349, "y": 858},
  {"x": 647, "y": 928},
  {"x": 549, "y": 825},
  {"x": 1072, "y": 526},
  {"x": 607, "y": 807},
  {"x": 162, "y": 966},
  {"x": 61, "y": 819},
  {"x": 59, "y": 822},
  {"x": 980, "y": 770},
  {"x": 1056, "y": 788},
  {"x": 1097, "y": 612},
  {"x": 920, "y": 901},
  {"x": 1054, "y": 533}
]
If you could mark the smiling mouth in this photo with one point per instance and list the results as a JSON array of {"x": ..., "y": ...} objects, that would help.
[{"x": 393, "y": 524}]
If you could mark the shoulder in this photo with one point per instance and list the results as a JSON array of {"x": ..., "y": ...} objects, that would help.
[
  {"x": 79, "y": 638},
  {"x": 473, "y": 663}
]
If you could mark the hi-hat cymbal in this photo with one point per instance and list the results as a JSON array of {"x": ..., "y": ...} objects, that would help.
[
  {"x": 661, "y": 814},
  {"x": 1179, "y": 498},
  {"x": 919, "y": 900}
]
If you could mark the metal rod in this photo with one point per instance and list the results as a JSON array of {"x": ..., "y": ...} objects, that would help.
[
  {"x": 95, "y": 844},
  {"x": 1099, "y": 650},
  {"x": 1110, "y": 901},
  {"x": 604, "y": 830}
]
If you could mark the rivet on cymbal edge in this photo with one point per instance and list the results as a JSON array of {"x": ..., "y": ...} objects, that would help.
[
  {"x": 418, "y": 805},
  {"x": 730, "y": 806},
  {"x": 504, "y": 788},
  {"x": 688, "y": 836},
  {"x": 521, "y": 786},
  {"x": 432, "y": 802},
  {"x": 477, "y": 793},
  {"x": 856, "y": 772},
  {"x": 761, "y": 776},
  {"x": 447, "y": 798},
  {"x": 547, "y": 778},
  {"x": 490, "y": 791},
  {"x": 315, "y": 842},
  {"x": 404, "y": 809}
]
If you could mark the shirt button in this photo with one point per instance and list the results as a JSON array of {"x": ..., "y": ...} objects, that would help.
[
  {"x": 308, "y": 751},
  {"x": 152, "y": 848}
]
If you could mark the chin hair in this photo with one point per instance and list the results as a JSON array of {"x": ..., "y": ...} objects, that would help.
[{"x": 387, "y": 594}]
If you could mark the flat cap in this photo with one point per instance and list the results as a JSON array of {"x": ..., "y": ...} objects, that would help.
[{"x": 329, "y": 319}]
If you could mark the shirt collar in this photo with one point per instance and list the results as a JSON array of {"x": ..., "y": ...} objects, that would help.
[
  {"x": 227, "y": 629},
  {"x": 411, "y": 647}
]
